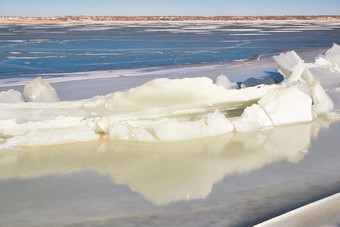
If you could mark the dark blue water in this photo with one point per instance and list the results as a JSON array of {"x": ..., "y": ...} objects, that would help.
[{"x": 49, "y": 48}]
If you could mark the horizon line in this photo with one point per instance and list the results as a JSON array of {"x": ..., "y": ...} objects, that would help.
[{"x": 284, "y": 15}]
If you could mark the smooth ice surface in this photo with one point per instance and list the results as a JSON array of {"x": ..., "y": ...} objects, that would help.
[
  {"x": 45, "y": 47},
  {"x": 39, "y": 90},
  {"x": 165, "y": 172}
]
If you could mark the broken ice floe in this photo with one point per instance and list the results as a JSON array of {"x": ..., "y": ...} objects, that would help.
[
  {"x": 330, "y": 60},
  {"x": 165, "y": 110}
]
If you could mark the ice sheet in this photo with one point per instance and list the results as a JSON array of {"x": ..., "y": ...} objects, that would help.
[{"x": 164, "y": 110}]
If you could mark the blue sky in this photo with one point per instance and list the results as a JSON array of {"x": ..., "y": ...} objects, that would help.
[{"x": 168, "y": 7}]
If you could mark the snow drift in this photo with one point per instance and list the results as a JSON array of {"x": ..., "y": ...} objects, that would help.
[{"x": 165, "y": 110}]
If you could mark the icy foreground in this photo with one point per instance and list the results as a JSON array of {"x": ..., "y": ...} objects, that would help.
[
  {"x": 165, "y": 110},
  {"x": 214, "y": 158}
]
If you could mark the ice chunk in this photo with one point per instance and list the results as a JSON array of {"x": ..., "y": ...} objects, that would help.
[
  {"x": 334, "y": 52},
  {"x": 52, "y": 136},
  {"x": 218, "y": 124},
  {"x": 287, "y": 106},
  {"x": 171, "y": 130},
  {"x": 322, "y": 103},
  {"x": 224, "y": 81},
  {"x": 293, "y": 68},
  {"x": 286, "y": 62},
  {"x": 323, "y": 62},
  {"x": 126, "y": 132},
  {"x": 330, "y": 60},
  {"x": 252, "y": 119},
  {"x": 39, "y": 90},
  {"x": 10, "y": 96},
  {"x": 101, "y": 125},
  {"x": 333, "y": 55}
]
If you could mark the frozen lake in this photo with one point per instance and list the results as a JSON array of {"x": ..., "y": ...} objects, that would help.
[
  {"x": 57, "y": 49},
  {"x": 236, "y": 179}
]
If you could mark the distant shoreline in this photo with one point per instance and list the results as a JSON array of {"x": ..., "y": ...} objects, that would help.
[{"x": 167, "y": 18}]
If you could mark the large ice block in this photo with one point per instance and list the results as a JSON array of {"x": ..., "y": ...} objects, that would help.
[
  {"x": 287, "y": 105},
  {"x": 293, "y": 68},
  {"x": 330, "y": 60},
  {"x": 322, "y": 103},
  {"x": 39, "y": 90}
]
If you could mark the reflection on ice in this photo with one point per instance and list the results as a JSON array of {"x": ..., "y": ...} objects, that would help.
[{"x": 166, "y": 172}]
